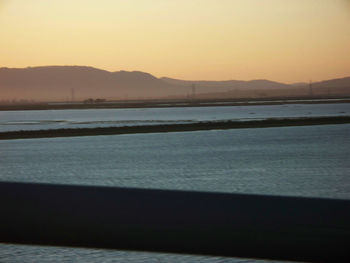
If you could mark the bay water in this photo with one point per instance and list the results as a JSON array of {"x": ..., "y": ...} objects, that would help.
[
  {"x": 309, "y": 161},
  {"x": 90, "y": 118}
]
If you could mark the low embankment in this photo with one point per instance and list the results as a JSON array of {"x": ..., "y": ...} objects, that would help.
[{"x": 197, "y": 126}]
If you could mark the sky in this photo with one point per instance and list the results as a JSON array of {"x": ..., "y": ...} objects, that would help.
[{"x": 282, "y": 40}]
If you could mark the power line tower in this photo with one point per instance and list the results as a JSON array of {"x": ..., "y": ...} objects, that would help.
[
  {"x": 193, "y": 91},
  {"x": 72, "y": 95},
  {"x": 311, "y": 93}
]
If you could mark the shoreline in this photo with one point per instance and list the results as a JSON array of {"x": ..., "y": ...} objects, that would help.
[
  {"x": 185, "y": 127},
  {"x": 174, "y": 103}
]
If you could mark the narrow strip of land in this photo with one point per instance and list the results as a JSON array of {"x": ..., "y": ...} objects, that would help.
[
  {"x": 197, "y": 126},
  {"x": 172, "y": 103}
]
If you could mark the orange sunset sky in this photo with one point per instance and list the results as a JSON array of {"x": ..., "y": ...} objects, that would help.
[{"x": 282, "y": 40}]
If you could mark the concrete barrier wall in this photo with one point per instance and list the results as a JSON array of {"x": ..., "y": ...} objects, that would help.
[{"x": 237, "y": 225}]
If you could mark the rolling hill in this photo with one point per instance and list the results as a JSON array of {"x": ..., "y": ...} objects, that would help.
[{"x": 59, "y": 83}]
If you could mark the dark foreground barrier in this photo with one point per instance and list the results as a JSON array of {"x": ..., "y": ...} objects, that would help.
[{"x": 286, "y": 228}]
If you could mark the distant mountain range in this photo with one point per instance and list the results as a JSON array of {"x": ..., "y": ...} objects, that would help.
[
  {"x": 64, "y": 83},
  {"x": 228, "y": 84}
]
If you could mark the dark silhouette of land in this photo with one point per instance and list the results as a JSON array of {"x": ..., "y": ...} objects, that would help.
[
  {"x": 162, "y": 103},
  {"x": 78, "y": 83},
  {"x": 197, "y": 126}
]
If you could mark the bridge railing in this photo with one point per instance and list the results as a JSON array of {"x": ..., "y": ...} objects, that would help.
[{"x": 233, "y": 225}]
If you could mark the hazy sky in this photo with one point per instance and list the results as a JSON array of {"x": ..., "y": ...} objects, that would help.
[{"x": 283, "y": 40}]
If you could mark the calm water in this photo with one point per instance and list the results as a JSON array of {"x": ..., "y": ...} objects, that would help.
[
  {"x": 298, "y": 161},
  {"x": 54, "y": 119}
]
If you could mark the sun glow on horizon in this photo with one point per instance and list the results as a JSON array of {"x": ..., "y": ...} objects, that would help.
[{"x": 287, "y": 41}]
